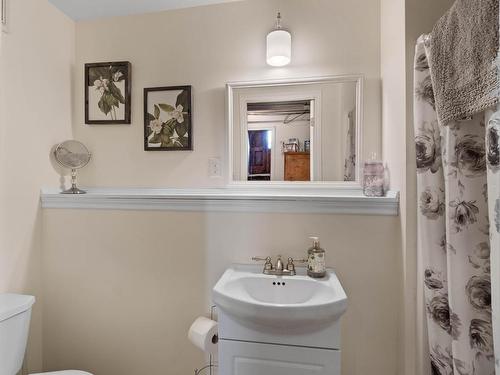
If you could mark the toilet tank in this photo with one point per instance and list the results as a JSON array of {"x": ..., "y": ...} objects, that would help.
[{"x": 15, "y": 314}]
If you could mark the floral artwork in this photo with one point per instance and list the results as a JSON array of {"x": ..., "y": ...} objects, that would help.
[
  {"x": 167, "y": 119},
  {"x": 107, "y": 93}
]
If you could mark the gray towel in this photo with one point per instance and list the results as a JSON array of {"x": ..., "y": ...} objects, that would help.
[{"x": 463, "y": 49}]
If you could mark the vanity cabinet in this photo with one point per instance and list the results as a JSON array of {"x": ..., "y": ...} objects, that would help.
[
  {"x": 250, "y": 349},
  {"x": 249, "y": 358}
]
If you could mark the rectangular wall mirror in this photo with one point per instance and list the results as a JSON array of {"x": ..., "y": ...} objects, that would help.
[{"x": 284, "y": 132}]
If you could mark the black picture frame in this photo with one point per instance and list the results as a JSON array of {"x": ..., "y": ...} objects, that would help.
[
  {"x": 113, "y": 72},
  {"x": 174, "y": 135}
]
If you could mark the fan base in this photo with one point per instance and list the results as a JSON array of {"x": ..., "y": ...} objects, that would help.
[{"x": 73, "y": 190}]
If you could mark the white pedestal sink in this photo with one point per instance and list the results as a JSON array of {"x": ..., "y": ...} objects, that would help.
[{"x": 272, "y": 325}]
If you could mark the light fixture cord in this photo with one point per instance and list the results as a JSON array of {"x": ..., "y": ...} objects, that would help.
[{"x": 278, "y": 21}]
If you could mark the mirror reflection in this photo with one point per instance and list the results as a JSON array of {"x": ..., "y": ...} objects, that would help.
[
  {"x": 297, "y": 132},
  {"x": 279, "y": 141}
]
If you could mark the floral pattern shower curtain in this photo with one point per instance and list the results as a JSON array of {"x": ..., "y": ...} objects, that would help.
[
  {"x": 493, "y": 154},
  {"x": 458, "y": 178}
]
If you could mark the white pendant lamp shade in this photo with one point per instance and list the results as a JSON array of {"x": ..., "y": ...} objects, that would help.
[{"x": 279, "y": 46}]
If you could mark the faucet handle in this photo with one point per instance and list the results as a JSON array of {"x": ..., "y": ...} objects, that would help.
[
  {"x": 301, "y": 260},
  {"x": 268, "y": 265},
  {"x": 291, "y": 264}
]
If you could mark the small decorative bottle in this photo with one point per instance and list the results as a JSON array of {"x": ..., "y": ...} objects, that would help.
[
  {"x": 316, "y": 263},
  {"x": 373, "y": 177}
]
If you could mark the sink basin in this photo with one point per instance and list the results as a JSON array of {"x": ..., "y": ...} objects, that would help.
[{"x": 246, "y": 294}]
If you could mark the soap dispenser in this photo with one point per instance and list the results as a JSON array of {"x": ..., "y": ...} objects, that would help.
[{"x": 316, "y": 264}]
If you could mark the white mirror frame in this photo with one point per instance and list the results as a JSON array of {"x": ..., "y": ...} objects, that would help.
[{"x": 340, "y": 186}]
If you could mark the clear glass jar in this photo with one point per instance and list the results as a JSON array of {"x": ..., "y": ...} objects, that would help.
[{"x": 374, "y": 178}]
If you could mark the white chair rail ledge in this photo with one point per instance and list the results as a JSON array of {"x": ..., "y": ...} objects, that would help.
[{"x": 233, "y": 199}]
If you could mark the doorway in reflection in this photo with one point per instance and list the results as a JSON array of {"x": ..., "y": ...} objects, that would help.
[
  {"x": 259, "y": 155},
  {"x": 279, "y": 141}
]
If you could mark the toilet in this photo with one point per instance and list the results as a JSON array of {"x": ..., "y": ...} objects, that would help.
[{"x": 15, "y": 315}]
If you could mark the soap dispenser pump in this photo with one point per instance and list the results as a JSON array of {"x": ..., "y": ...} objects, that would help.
[{"x": 316, "y": 264}]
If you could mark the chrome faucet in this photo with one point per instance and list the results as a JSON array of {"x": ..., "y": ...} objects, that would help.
[{"x": 279, "y": 268}]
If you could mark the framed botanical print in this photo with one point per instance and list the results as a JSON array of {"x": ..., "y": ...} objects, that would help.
[
  {"x": 168, "y": 119},
  {"x": 108, "y": 93}
]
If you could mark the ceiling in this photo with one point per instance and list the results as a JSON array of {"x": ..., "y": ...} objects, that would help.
[{"x": 91, "y": 9}]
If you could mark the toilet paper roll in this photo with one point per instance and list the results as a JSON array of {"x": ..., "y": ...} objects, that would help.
[{"x": 203, "y": 334}]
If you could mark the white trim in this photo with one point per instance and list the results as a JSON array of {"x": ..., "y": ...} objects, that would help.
[
  {"x": 359, "y": 128},
  {"x": 316, "y": 146},
  {"x": 230, "y": 87},
  {"x": 244, "y": 142},
  {"x": 303, "y": 200}
]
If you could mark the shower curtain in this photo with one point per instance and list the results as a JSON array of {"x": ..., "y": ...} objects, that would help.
[
  {"x": 350, "y": 150},
  {"x": 458, "y": 185}
]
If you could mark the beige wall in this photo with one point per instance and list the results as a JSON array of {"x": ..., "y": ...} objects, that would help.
[
  {"x": 89, "y": 320},
  {"x": 392, "y": 47},
  {"x": 112, "y": 285},
  {"x": 36, "y": 59},
  {"x": 117, "y": 301},
  {"x": 392, "y": 35},
  {"x": 122, "y": 287},
  {"x": 207, "y": 47}
]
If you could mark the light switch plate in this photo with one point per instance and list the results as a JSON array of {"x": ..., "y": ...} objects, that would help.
[{"x": 214, "y": 167}]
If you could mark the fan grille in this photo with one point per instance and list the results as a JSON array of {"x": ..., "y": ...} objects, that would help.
[{"x": 72, "y": 154}]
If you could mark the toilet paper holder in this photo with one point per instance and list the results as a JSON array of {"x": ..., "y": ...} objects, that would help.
[
  {"x": 199, "y": 371},
  {"x": 215, "y": 339}
]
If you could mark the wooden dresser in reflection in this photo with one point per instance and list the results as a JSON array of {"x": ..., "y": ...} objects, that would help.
[{"x": 297, "y": 166}]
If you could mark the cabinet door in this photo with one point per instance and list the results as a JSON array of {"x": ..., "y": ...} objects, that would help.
[{"x": 246, "y": 358}]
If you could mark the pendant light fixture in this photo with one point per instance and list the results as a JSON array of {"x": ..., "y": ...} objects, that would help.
[{"x": 279, "y": 45}]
